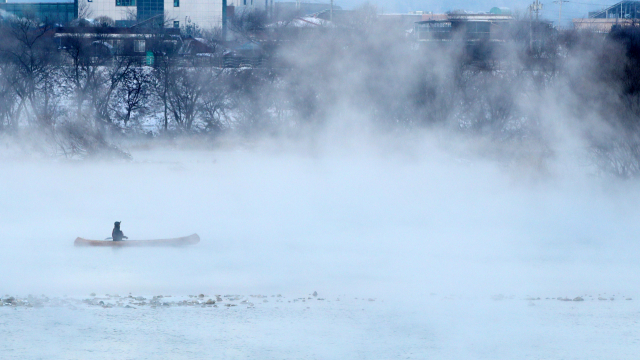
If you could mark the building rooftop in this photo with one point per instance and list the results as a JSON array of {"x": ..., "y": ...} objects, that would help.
[
  {"x": 623, "y": 9},
  {"x": 466, "y": 17}
]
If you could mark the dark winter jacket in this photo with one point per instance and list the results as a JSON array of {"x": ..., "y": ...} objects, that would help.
[{"x": 117, "y": 234}]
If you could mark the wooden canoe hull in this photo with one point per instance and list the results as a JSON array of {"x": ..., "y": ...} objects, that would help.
[{"x": 181, "y": 241}]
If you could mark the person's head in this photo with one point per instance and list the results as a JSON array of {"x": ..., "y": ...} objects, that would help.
[{"x": 116, "y": 224}]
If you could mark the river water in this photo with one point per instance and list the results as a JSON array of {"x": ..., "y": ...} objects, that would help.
[{"x": 448, "y": 251}]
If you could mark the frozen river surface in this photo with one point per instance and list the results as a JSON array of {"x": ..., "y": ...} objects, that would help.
[{"x": 281, "y": 328}]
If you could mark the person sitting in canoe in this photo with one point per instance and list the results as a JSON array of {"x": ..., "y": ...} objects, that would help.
[{"x": 117, "y": 234}]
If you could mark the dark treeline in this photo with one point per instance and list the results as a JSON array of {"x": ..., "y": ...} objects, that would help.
[{"x": 80, "y": 101}]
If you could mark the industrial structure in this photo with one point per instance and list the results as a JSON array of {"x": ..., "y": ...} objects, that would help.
[
  {"x": 465, "y": 26},
  {"x": 621, "y": 10},
  {"x": 624, "y": 13},
  {"x": 283, "y": 10},
  {"x": 488, "y": 37}
]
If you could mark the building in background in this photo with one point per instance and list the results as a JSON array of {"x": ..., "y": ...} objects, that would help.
[
  {"x": 405, "y": 22},
  {"x": 117, "y": 10},
  {"x": 155, "y": 13},
  {"x": 402, "y": 21},
  {"x": 51, "y": 12},
  {"x": 287, "y": 10},
  {"x": 109, "y": 41},
  {"x": 501, "y": 11},
  {"x": 624, "y": 13},
  {"x": 204, "y": 14},
  {"x": 251, "y": 4},
  {"x": 621, "y": 10},
  {"x": 470, "y": 27},
  {"x": 602, "y": 25}
]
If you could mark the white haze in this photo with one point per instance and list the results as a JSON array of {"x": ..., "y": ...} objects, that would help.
[
  {"x": 431, "y": 224},
  {"x": 430, "y": 232},
  {"x": 385, "y": 218}
]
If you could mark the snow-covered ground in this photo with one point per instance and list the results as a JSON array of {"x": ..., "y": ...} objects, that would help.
[{"x": 453, "y": 253}]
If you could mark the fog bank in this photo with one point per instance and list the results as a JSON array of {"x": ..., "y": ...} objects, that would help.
[{"x": 389, "y": 221}]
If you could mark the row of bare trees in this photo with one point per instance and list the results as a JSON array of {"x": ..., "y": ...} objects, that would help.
[
  {"x": 586, "y": 84},
  {"x": 79, "y": 97},
  {"x": 611, "y": 92}
]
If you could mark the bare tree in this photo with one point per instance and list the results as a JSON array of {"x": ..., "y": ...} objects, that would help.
[
  {"x": 133, "y": 92},
  {"x": 187, "y": 87},
  {"x": 83, "y": 10},
  {"x": 214, "y": 102},
  {"x": 29, "y": 46},
  {"x": 248, "y": 22},
  {"x": 93, "y": 73},
  {"x": 8, "y": 97},
  {"x": 108, "y": 82},
  {"x": 251, "y": 101},
  {"x": 104, "y": 21},
  {"x": 162, "y": 74}
]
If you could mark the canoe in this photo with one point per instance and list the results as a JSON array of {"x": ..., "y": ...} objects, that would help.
[{"x": 181, "y": 241}]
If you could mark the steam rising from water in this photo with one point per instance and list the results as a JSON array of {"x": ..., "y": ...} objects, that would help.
[
  {"x": 511, "y": 204},
  {"x": 373, "y": 218}
]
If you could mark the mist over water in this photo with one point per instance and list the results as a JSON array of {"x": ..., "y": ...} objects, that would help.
[
  {"x": 434, "y": 235},
  {"x": 360, "y": 219},
  {"x": 439, "y": 206}
]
